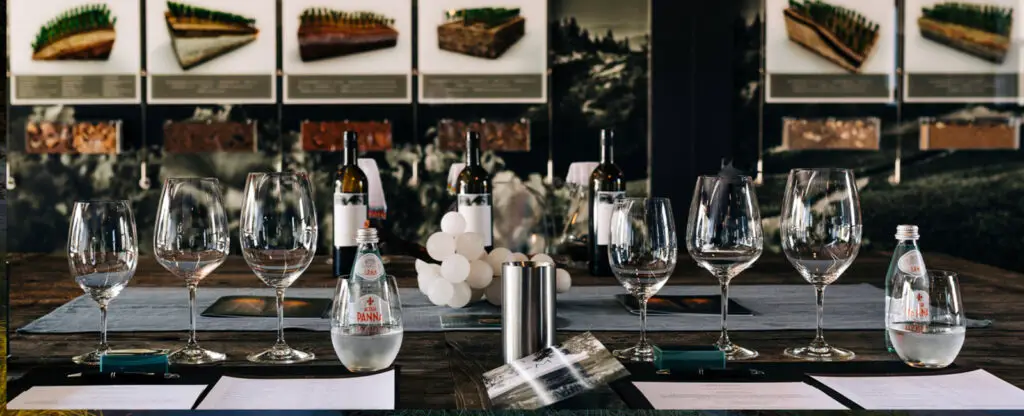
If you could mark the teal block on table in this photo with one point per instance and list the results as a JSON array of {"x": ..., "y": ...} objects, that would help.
[
  {"x": 140, "y": 362},
  {"x": 688, "y": 358}
]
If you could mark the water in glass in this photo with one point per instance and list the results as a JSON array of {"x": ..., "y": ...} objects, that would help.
[{"x": 926, "y": 320}]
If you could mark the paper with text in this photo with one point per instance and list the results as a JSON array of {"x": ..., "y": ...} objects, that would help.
[
  {"x": 121, "y": 397},
  {"x": 736, "y": 396},
  {"x": 373, "y": 392},
  {"x": 976, "y": 389}
]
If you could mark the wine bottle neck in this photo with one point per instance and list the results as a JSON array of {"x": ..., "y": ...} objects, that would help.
[
  {"x": 472, "y": 152},
  {"x": 607, "y": 153},
  {"x": 351, "y": 156}
]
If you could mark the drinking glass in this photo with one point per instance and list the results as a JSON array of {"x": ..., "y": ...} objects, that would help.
[
  {"x": 926, "y": 321},
  {"x": 191, "y": 241},
  {"x": 821, "y": 231},
  {"x": 102, "y": 253},
  {"x": 366, "y": 323},
  {"x": 278, "y": 234},
  {"x": 723, "y": 235},
  {"x": 642, "y": 255}
]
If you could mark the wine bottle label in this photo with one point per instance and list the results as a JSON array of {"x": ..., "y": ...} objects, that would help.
[
  {"x": 911, "y": 263},
  {"x": 603, "y": 205},
  {"x": 368, "y": 266},
  {"x": 349, "y": 217},
  {"x": 476, "y": 209}
]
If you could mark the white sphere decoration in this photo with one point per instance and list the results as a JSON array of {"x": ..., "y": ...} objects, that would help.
[
  {"x": 453, "y": 223},
  {"x": 493, "y": 292},
  {"x": 563, "y": 280},
  {"x": 498, "y": 256},
  {"x": 542, "y": 258},
  {"x": 423, "y": 267},
  {"x": 478, "y": 295},
  {"x": 519, "y": 257},
  {"x": 436, "y": 268},
  {"x": 455, "y": 268},
  {"x": 470, "y": 245},
  {"x": 440, "y": 292},
  {"x": 462, "y": 295},
  {"x": 440, "y": 246},
  {"x": 480, "y": 274}
]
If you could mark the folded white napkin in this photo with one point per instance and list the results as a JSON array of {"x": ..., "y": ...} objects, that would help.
[
  {"x": 378, "y": 205},
  {"x": 453, "y": 175},
  {"x": 579, "y": 173}
]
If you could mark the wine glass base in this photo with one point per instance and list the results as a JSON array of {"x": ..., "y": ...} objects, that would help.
[
  {"x": 826, "y": 353},
  {"x": 89, "y": 358},
  {"x": 735, "y": 352},
  {"x": 281, "y": 355},
  {"x": 194, "y": 355},
  {"x": 635, "y": 354}
]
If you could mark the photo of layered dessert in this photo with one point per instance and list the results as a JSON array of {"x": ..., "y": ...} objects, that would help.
[
  {"x": 831, "y": 133},
  {"x": 199, "y": 35},
  {"x": 326, "y": 33},
  {"x": 980, "y": 30},
  {"x": 326, "y": 136},
  {"x": 209, "y": 136},
  {"x": 83, "y": 33},
  {"x": 970, "y": 133},
  {"x": 96, "y": 137},
  {"x": 499, "y": 136},
  {"x": 838, "y": 34},
  {"x": 84, "y": 137},
  {"x": 486, "y": 32}
]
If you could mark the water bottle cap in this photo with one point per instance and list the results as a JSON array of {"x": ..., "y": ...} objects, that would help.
[
  {"x": 906, "y": 232},
  {"x": 366, "y": 235}
]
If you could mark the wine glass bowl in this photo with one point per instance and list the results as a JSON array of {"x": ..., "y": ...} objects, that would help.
[
  {"x": 642, "y": 255},
  {"x": 191, "y": 241},
  {"x": 724, "y": 236},
  {"x": 278, "y": 235},
  {"x": 821, "y": 235},
  {"x": 103, "y": 254}
]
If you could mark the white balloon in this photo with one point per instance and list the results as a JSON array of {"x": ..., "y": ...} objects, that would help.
[
  {"x": 453, "y": 223},
  {"x": 424, "y": 280},
  {"x": 470, "y": 245},
  {"x": 498, "y": 256},
  {"x": 494, "y": 291},
  {"x": 440, "y": 246},
  {"x": 461, "y": 296},
  {"x": 563, "y": 280},
  {"x": 440, "y": 292},
  {"x": 480, "y": 274},
  {"x": 519, "y": 257},
  {"x": 542, "y": 258},
  {"x": 422, "y": 267},
  {"x": 455, "y": 268},
  {"x": 436, "y": 268}
]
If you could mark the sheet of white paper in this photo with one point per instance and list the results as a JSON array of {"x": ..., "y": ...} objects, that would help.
[
  {"x": 736, "y": 396},
  {"x": 121, "y": 397},
  {"x": 374, "y": 392},
  {"x": 976, "y": 389}
]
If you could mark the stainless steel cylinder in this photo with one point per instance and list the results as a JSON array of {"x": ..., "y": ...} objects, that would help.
[{"x": 527, "y": 308}]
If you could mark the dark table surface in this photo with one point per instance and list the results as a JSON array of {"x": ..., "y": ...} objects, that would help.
[{"x": 443, "y": 370}]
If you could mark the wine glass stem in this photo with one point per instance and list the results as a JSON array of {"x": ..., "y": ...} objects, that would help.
[
  {"x": 643, "y": 321},
  {"x": 280, "y": 317},
  {"x": 723, "y": 341},
  {"x": 103, "y": 328},
  {"x": 192, "y": 315},
  {"x": 819, "y": 338}
]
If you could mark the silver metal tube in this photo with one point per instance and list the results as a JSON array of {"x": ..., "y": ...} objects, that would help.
[{"x": 528, "y": 308}]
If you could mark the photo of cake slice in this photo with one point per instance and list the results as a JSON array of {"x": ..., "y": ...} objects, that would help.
[
  {"x": 83, "y": 33},
  {"x": 483, "y": 32},
  {"x": 838, "y": 34},
  {"x": 200, "y": 35},
  {"x": 979, "y": 30},
  {"x": 325, "y": 33}
]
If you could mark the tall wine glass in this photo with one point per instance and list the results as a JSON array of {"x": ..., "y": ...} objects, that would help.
[
  {"x": 278, "y": 233},
  {"x": 821, "y": 232},
  {"x": 642, "y": 254},
  {"x": 723, "y": 235},
  {"x": 102, "y": 253},
  {"x": 191, "y": 241}
]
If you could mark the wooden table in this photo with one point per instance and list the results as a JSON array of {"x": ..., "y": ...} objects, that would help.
[{"x": 442, "y": 370}]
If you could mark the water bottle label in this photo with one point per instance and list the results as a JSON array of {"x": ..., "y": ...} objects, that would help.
[
  {"x": 476, "y": 209},
  {"x": 371, "y": 310},
  {"x": 918, "y": 308},
  {"x": 603, "y": 214},
  {"x": 911, "y": 263},
  {"x": 369, "y": 267}
]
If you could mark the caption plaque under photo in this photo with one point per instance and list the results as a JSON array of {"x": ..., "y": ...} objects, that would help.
[
  {"x": 493, "y": 51},
  {"x": 838, "y": 51},
  {"x": 347, "y": 51},
  {"x": 211, "y": 51},
  {"x": 961, "y": 51},
  {"x": 75, "y": 52}
]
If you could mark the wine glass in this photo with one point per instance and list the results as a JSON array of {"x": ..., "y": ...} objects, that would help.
[
  {"x": 723, "y": 235},
  {"x": 102, "y": 253},
  {"x": 821, "y": 231},
  {"x": 366, "y": 323},
  {"x": 278, "y": 234},
  {"x": 642, "y": 255},
  {"x": 191, "y": 241},
  {"x": 926, "y": 321}
]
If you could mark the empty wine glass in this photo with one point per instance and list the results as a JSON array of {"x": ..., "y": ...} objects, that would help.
[
  {"x": 102, "y": 254},
  {"x": 366, "y": 323},
  {"x": 821, "y": 232},
  {"x": 191, "y": 241},
  {"x": 723, "y": 235},
  {"x": 926, "y": 321},
  {"x": 278, "y": 234},
  {"x": 642, "y": 254}
]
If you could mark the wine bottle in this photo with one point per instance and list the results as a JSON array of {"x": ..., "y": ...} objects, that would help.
[
  {"x": 474, "y": 192},
  {"x": 606, "y": 185},
  {"x": 351, "y": 205}
]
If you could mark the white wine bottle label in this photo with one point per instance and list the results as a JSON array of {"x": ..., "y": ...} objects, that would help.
[
  {"x": 476, "y": 209},
  {"x": 605, "y": 202},
  {"x": 349, "y": 217},
  {"x": 912, "y": 263},
  {"x": 368, "y": 266}
]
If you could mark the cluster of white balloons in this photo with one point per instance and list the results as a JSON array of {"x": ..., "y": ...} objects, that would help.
[{"x": 467, "y": 273}]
